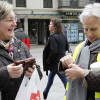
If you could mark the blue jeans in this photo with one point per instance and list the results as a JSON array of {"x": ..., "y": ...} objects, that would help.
[{"x": 50, "y": 81}]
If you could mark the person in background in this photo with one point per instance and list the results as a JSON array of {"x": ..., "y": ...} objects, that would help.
[
  {"x": 11, "y": 49},
  {"x": 65, "y": 30},
  {"x": 54, "y": 50},
  {"x": 20, "y": 34},
  {"x": 84, "y": 83}
]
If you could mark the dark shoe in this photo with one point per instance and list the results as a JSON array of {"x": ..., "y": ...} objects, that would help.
[{"x": 45, "y": 95}]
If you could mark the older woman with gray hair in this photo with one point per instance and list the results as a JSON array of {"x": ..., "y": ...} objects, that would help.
[
  {"x": 84, "y": 82},
  {"x": 11, "y": 49}
]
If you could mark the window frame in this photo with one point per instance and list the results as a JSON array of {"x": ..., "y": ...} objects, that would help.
[
  {"x": 46, "y": 3},
  {"x": 22, "y": 3},
  {"x": 74, "y": 3}
]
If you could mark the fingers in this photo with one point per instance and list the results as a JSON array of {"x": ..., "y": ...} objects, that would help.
[
  {"x": 15, "y": 71},
  {"x": 69, "y": 76},
  {"x": 67, "y": 60},
  {"x": 74, "y": 72},
  {"x": 18, "y": 68},
  {"x": 64, "y": 62},
  {"x": 29, "y": 72},
  {"x": 72, "y": 65}
]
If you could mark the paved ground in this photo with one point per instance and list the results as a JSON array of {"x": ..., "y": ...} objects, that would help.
[{"x": 57, "y": 90}]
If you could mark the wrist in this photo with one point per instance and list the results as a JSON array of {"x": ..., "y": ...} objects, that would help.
[{"x": 82, "y": 73}]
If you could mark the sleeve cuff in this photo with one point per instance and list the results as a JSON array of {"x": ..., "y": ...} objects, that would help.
[
  {"x": 84, "y": 84},
  {"x": 86, "y": 72}
]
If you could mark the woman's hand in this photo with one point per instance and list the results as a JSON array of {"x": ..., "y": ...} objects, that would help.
[
  {"x": 15, "y": 71},
  {"x": 74, "y": 72},
  {"x": 66, "y": 60},
  {"x": 29, "y": 72}
]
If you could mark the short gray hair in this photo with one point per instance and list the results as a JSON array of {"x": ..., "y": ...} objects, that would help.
[
  {"x": 90, "y": 10},
  {"x": 5, "y": 9}
]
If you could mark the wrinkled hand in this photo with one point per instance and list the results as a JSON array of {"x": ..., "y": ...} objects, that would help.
[
  {"x": 74, "y": 72},
  {"x": 66, "y": 60},
  {"x": 15, "y": 71},
  {"x": 29, "y": 72}
]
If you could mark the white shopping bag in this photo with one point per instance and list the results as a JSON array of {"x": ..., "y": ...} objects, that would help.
[{"x": 29, "y": 88}]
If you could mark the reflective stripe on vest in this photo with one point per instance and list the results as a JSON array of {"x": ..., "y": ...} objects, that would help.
[
  {"x": 77, "y": 50},
  {"x": 66, "y": 90},
  {"x": 97, "y": 94}
]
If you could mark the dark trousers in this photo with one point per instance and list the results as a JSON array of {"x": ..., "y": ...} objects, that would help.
[{"x": 50, "y": 81}]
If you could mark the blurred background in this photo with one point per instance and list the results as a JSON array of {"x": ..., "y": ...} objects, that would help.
[{"x": 36, "y": 14}]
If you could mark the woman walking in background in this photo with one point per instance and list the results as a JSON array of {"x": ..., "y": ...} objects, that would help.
[{"x": 54, "y": 49}]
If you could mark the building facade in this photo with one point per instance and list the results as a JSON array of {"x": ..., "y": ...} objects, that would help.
[{"x": 36, "y": 14}]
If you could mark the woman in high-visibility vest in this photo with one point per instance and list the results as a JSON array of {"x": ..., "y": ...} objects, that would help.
[{"x": 84, "y": 84}]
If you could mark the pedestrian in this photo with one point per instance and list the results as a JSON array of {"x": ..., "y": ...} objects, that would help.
[
  {"x": 11, "y": 49},
  {"x": 84, "y": 83},
  {"x": 65, "y": 30},
  {"x": 54, "y": 49},
  {"x": 20, "y": 34}
]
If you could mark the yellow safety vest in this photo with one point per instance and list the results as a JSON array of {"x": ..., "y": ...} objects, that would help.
[{"x": 97, "y": 94}]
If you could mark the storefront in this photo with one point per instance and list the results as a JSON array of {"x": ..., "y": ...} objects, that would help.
[
  {"x": 38, "y": 30},
  {"x": 74, "y": 27},
  {"x": 37, "y": 27}
]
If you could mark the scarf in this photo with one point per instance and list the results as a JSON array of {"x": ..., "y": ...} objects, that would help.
[
  {"x": 75, "y": 90},
  {"x": 8, "y": 46}
]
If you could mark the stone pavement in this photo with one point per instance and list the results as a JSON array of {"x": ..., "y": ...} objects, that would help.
[{"x": 57, "y": 90}]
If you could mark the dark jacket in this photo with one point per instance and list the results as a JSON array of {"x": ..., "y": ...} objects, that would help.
[
  {"x": 93, "y": 78},
  {"x": 54, "y": 50},
  {"x": 21, "y": 35},
  {"x": 9, "y": 87}
]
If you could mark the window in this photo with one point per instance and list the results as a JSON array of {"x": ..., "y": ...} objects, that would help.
[
  {"x": 10, "y": 1},
  {"x": 20, "y": 3},
  {"x": 97, "y": 1},
  {"x": 47, "y": 4},
  {"x": 73, "y": 3}
]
